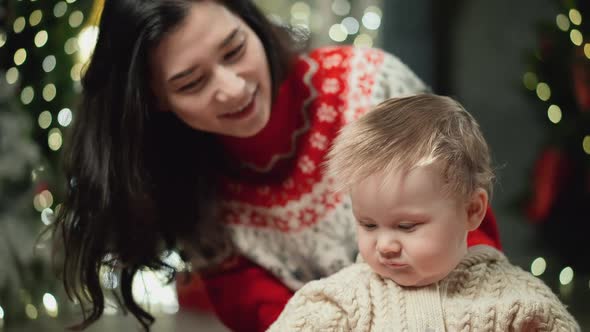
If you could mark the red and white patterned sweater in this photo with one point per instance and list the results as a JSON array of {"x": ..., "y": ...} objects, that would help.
[{"x": 281, "y": 210}]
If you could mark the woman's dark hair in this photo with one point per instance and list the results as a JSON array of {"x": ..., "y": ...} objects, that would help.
[{"x": 141, "y": 182}]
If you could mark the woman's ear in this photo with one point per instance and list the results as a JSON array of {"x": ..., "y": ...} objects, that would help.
[{"x": 476, "y": 208}]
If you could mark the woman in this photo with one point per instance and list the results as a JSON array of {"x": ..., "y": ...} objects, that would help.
[{"x": 201, "y": 130}]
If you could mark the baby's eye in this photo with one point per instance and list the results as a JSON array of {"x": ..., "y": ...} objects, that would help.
[
  {"x": 407, "y": 226},
  {"x": 369, "y": 227}
]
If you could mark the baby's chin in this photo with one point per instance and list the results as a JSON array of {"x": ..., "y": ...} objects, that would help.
[{"x": 414, "y": 281}]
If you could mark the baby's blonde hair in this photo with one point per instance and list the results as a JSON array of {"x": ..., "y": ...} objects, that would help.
[{"x": 404, "y": 133}]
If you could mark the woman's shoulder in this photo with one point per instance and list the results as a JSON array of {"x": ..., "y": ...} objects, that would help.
[
  {"x": 340, "y": 55},
  {"x": 342, "y": 49},
  {"x": 369, "y": 70}
]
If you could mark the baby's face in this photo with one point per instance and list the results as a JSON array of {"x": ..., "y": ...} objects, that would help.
[{"x": 408, "y": 230}]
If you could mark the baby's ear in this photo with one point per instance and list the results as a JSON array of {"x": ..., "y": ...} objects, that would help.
[{"x": 477, "y": 206}]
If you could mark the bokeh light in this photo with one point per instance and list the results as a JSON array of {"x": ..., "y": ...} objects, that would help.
[
  {"x": 64, "y": 117},
  {"x": 543, "y": 91},
  {"x": 554, "y": 114},
  {"x": 35, "y": 17},
  {"x": 86, "y": 41},
  {"x": 60, "y": 9},
  {"x": 538, "y": 266},
  {"x": 300, "y": 11},
  {"x": 19, "y": 24},
  {"x": 566, "y": 276},
  {"x": 562, "y": 22},
  {"x": 12, "y": 75},
  {"x": 49, "y": 63},
  {"x": 337, "y": 33},
  {"x": 150, "y": 290},
  {"x": 575, "y": 16},
  {"x": 49, "y": 92},
  {"x": 47, "y": 216},
  {"x": 55, "y": 139},
  {"x": 76, "y": 72},
  {"x": 71, "y": 46},
  {"x": 41, "y": 38},
  {"x": 27, "y": 95},
  {"x": 76, "y": 18},
  {"x": 341, "y": 7},
  {"x": 31, "y": 311},
  {"x": 530, "y": 80},
  {"x": 351, "y": 25},
  {"x": 50, "y": 304},
  {"x": 586, "y": 144},
  {"x": 576, "y": 37},
  {"x": 371, "y": 20},
  {"x": 20, "y": 56},
  {"x": 363, "y": 40}
]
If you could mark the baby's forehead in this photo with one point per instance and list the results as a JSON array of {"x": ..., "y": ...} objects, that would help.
[
  {"x": 398, "y": 179},
  {"x": 432, "y": 175},
  {"x": 433, "y": 170}
]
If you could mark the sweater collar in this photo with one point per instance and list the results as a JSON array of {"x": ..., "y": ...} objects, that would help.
[{"x": 277, "y": 140}]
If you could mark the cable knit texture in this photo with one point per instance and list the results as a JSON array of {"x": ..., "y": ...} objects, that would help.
[{"x": 484, "y": 293}]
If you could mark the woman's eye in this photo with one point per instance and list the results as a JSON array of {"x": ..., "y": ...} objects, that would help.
[
  {"x": 191, "y": 85},
  {"x": 233, "y": 54},
  {"x": 188, "y": 86}
]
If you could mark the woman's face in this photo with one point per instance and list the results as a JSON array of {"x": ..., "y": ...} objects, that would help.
[{"x": 212, "y": 72}]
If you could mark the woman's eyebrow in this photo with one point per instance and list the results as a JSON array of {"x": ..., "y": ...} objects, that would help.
[
  {"x": 182, "y": 74},
  {"x": 223, "y": 43},
  {"x": 229, "y": 37}
]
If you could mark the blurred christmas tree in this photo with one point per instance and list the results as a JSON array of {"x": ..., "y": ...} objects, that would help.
[
  {"x": 559, "y": 78},
  {"x": 41, "y": 51}
]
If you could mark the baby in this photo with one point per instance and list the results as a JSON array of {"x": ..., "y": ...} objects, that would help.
[{"x": 419, "y": 175}]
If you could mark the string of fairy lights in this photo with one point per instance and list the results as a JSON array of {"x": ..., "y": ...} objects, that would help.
[
  {"x": 332, "y": 22},
  {"x": 567, "y": 23},
  {"x": 79, "y": 48}
]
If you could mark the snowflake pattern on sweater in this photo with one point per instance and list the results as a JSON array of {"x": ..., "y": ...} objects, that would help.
[{"x": 299, "y": 228}]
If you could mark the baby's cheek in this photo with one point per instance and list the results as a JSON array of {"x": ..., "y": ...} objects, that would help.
[
  {"x": 427, "y": 252},
  {"x": 364, "y": 244}
]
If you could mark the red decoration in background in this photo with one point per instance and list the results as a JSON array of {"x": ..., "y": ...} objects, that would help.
[
  {"x": 549, "y": 174},
  {"x": 40, "y": 187},
  {"x": 192, "y": 293},
  {"x": 546, "y": 46},
  {"x": 581, "y": 77}
]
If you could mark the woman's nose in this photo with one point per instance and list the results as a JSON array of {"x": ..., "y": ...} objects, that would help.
[{"x": 229, "y": 84}]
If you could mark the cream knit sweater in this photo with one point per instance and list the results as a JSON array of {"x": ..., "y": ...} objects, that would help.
[{"x": 484, "y": 293}]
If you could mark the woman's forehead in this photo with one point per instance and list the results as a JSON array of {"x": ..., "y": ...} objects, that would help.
[{"x": 196, "y": 39}]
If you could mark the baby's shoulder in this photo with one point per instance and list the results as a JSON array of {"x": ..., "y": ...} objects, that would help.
[{"x": 489, "y": 273}]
